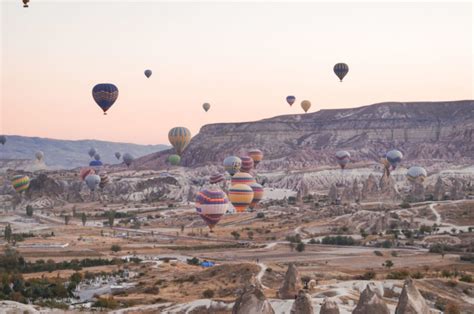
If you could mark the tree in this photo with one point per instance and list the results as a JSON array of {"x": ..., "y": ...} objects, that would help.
[
  {"x": 235, "y": 234},
  {"x": 67, "y": 218},
  {"x": 388, "y": 264},
  {"x": 300, "y": 247},
  {"x": 29, "y": 210},
  {"x": 111, "y": 218},
  {"x": 84, "y": 218},
  {"x": 115, "y": 248},
  {"x": 182, "y": 228},
  {"x": 305, "y": 280},
  {"x": 8, "y": 233}
]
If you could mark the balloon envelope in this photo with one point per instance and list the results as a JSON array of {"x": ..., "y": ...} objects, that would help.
[
  {"x": 343, "y": 157},
  {"x": 242, "y": 178},
  {"x": 95, "y": 163},
  {"x": 290, "y": 100},
  {"x": 341, "y": 69},
  {"x": 179, "y": 137},
  {"x": 92, "y": 152},
  {"x": 257, "y": 194},
  {"x": 174, "y": 159},
  {"x": 211, "y": 205},
  {"x": 416, "y": 174},
  {"x": 39, "y": 155},
  {"x": 20, "y": 183},
  {"x": 3, "y": 139},
  {"x": 256, "y": 155},
  {"x": 216, "y": 178},
  {"x": 105, "y": 95},
  {"x": 232, "y": 164},
  {"x": 118, "y": 155},
  {"x": 85, "y": 172},
  {"x": 394, "y": 157},
  {"x": 148, "y": 73},
  {"x": 240, "y": 195},
  {"x": 92, "y": 181},
  {"x": 247, "y": 164},
  {"x": 206, "y": 106},
  {"x": 127, "y": 159},
  {"x": 97, "y": 157},
  {"x": 305, "y": 104}
]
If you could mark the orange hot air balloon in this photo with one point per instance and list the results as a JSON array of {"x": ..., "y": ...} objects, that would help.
[{"x": 240, "y": 195}]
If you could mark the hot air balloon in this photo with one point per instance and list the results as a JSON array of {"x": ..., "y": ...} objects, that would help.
[
  {"x": 20, "y": 183},
  {"x": 105, "y": 95},
  {"x": 127, "y": 159},
  {"x": 211, "y": 205},
  {"x": 242, "y": 178},
  {"x": 247, "y": 163},
  {"x": 343, "y": 157},
  {"x": 341, "y": 70},
  {"x": 3, "y": 139},
  {"x": 174, "y": 159},
  {"x": 290, "y": 100},
  {"x": 92, "y": 152},
  {"x": 92, "y": 181},
  {"x": 305, "y": 104},
  {"x": 85, "y": 172},
  {"x": 95, "y": 163},
  {"x": 206, "y": 106},
  {"x": 217, "y": 178},
  {"x": 257, "y": 194},
  {"x": 97, "y": 157},
  {"x": 394, "y": 157},
  {"x": 25, "y": 3},
  {"x": 179, "y": 137},
  {"x": 232, "y": 164},
  {"x": 416, "y": 174},
  {"x": 240, "y": 195},
  {"x": 118, "y": 155},
  {"x": 39, "y": 155},
  {"x": 256, "y": 155},
  {"x": 148, "y": 73},
  {"x": 104, "y": 179}
]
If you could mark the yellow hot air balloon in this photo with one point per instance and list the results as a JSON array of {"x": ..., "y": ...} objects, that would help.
[
  {"x": 305, "y": 104},
  {"x": 241, "y": 195},
  {"x": 242, "y": 178},
  {"x": 179, "y": 137}
]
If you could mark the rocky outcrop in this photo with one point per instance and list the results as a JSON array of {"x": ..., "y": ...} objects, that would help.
[
  {"x": 439, "y": 190},
  {"x": 291, "y": 284},
  {"x": 388, "y": 188},
  {"x": 333, "y": 196},
  {"x": 411, "y": 301},
  {"x": 302, "y": 304},
  {"x": 329, "y": 307},
  {"x": 457, "y": 190},
  {"x": 370, "y": 302},
  {"x": 370, "y": 187},
  {"x": 252, "y": 300},
  {"x": 417, "y": 192}
]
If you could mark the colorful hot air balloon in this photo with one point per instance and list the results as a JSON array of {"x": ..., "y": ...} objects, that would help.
[
  {"x": 247, "y": 164},
  {"x": 290, "y": 100},
  {"x": 20, "y": 183},
  {"x": 206, "y": 106},
  {"x": 211, "y": 205},
  {"x": 118, "y": 155},
  {"x": 343, "y": 157},
  {"x": 97, "y": 157},
  {"x": 104, "y": 179},
  {"x": 305, "y": 104},
  {"x": 3, "y": 139},
  {"x": 341, "y": 70},
  {"x": 105, "y": 95},
  {"x": 174, "y": 159},
  {"x": 39, "y": 155},
  {"x": 394, "y": 157},
  {"x": 92, "y": 152},
  {"x": 416, "y": 174},
  {"x": 256, "y": 155},
  {"x": 242, "y": 178},
  {"x": 240, "y": 195},
  {"x": 217, "y": 178},
  {"x": 232, "y": 164},
  {"x": 127, "y": 159},
  {"x": 85, "y": 172},
  {"x": 25, "y": 3},
  {"x": 92, "y": 181},
  {"x": 257, "y": 194},
  {"x": 179, "y": 137},
  {"x": 148, "y": 73}
]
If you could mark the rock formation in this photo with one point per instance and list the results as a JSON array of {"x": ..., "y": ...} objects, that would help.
[
  {"x": 370, "y": 187},
  {"x": 411, "y": 301},
  {"x": 302, "y": 304},
  {"x": 439, "y": 191},
  {"x": 457, "y": 190},
  {"x": 388, "y": 188},
  {"x": 333, "y": 194},
  {"x": 329, "y": 307},
  {"x": 370, "y": 302},
  {"x": 291, "y": 284},
  {"x": 252, "y": 300},
  {"x": 417, "y": 192}
]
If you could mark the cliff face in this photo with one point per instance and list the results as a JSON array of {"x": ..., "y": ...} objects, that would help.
[{"x": 421, "y": 130}]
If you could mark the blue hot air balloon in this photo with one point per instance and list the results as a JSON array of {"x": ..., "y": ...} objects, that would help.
[
  {"x": 148, "y": 73},
  {"x": 105, "y": 95},
  {"x": 290, "y": 100}
]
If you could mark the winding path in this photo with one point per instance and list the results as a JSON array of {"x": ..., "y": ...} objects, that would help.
[{"x": 260, "y": 274}]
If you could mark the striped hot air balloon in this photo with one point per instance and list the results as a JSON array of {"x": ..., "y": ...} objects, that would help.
[
  {"x": 211, "y": 205},
  {"x": 179, "y": 137},
  {"x": 240, "y": 195},
  {"x": 257, "y": 194},
  {"x": 242, "y": 178},
  {"x": 341, "y": 69},
  {"x": 232, "y": 164},
  {"x": 343, "y": 157},
  {"x": 105, "y": 95},
  {"x": 20, "y": 183},
  {"x": 256, "y": 155},
  {"x": 104, "y": 180},
  {"x": 85, "y": 172},
  {"x": 247, "y": 164},
  {"x": 217, "y": 178}
]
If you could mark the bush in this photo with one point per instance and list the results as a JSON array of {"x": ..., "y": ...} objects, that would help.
[
  {"x": 193, "y": 261},
  {"x": 260, "y": 215},
  {"x": 115, "y": 248},
  {"x": 399, "y": 275},
  {"x": 369, "y": 275},
  {"x": 452, "y": 308},
  {"x": 378, "y": 253},
  {"x": 293, "y": 238},
  {"x": 466, "y": 278},
  {"x": 208, "y": 294},
  {"x": 405, "y": 205},
  {"x": 417, "y": 275},
  {"x": 300, "y": 247},
  {"x": 339, "y": 240},
  {"x": 108, "y": 303}
]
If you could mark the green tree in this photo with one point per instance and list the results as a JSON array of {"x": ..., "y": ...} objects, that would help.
[
  {"x": 300, "y": 247},
  {"x": 29, "y": 210},
  {"x": 388, "y": 264},
  {"x": 84, "y": 218},
  {"x": 8, "y": 233},
  {"x": 67, "y": 218},
  {"x": 115, "y": 248},
  {"x": 111, "y": 218},
  {"x": 235, "y": 234}
]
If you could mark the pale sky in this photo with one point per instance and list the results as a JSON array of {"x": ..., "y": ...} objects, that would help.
[{"x": 243, "y": 58}]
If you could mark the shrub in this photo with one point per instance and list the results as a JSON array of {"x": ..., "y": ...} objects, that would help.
[
  {"x": 260, "y": 215},
  {"x": 208, "y": 294},
  {"x": 193, "y": 261},
  {"x": 466, "y": 278},
  {"x": 369, "y": 275},
  {"x": 378, "y": 253},
  {"x": 300, "y": 247},
  {"x": 402, "y": 274},
  {"x": 115, "y": 248},
  {"x": 417, "y": 275},
  {"x": 338, "y": 240},
  {"x": 452, "y": 308}
]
